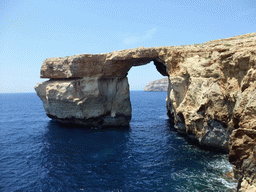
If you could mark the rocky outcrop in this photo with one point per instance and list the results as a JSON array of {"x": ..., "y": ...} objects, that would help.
[
  {"x": 90, "y": 101},
  {"x": 92, "y": 90},
  {"x": 243, "y": 156},
  {"x": 211, "y": 93},
  {"x": 157, "y": 85}
]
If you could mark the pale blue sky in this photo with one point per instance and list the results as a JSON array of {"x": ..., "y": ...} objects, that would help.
[{"x": 31, "y": 31}]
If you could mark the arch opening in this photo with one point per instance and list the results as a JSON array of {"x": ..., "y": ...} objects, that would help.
[{"x": 140, "y": 75}]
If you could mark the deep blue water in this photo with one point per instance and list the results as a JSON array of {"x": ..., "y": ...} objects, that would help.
[{"x": 37, "y": 154}]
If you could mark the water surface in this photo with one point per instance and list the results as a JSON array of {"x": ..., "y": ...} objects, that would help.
[{"x": 37, "y": 154}]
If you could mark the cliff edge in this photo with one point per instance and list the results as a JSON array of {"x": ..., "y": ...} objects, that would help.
[{"x": 211, "y": 93}]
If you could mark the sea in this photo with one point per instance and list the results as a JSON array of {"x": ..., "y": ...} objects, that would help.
[{"x": 38, "y": 154}]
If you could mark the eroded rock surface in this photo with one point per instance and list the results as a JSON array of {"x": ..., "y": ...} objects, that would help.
[
  {"x": 211, "y": 93},
  {"x": 243, "y": 156},
  {"x": 90, "y": 101},
  {"x": 157, "y": 85}
]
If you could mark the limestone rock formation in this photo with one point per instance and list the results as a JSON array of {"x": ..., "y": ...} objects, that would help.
[
  {"x": 157, "y": 85},
  {"x": 90, "y": 101},
  {"x": 243, "y": 156},
  {"x": 211, "y": 93}
]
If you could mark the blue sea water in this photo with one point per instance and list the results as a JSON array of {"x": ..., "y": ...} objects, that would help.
[{"x": 37, "y": 154}]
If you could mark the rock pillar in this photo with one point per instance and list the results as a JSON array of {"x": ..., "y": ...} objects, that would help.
[{"x": 89, "y": 101}]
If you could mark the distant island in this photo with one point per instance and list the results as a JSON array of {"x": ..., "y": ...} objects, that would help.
[{"x": 157, "y": 85}]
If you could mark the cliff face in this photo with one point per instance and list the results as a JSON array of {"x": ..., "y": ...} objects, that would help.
[
  {"x": 157, "y": 85},
  {"x": 211, "y": 93}
]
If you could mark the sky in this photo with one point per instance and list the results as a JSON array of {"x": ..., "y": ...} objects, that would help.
[{"x": 32, "y": 31}]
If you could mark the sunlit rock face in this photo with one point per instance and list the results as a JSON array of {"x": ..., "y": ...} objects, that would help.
[
  {"x": 211, "y": 93},
  {"x": 90, "y": 101},
  {"x": 211, "y": 98}
]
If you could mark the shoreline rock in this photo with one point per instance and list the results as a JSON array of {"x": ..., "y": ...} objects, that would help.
[{"x": 211, "y": 93}]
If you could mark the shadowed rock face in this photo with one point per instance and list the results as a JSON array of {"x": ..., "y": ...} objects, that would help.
[{"x": 211, "y": 93}]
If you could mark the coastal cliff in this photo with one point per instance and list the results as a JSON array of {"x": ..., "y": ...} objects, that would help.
[
  {"x": 157, "y": 85},
  {"x": 211, "y": 93}
]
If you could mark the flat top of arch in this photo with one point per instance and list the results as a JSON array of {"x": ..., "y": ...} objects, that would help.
[{"x": 118, "y": 63}]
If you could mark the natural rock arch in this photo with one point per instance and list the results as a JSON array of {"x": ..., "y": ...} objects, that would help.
[
  {"x": 93, "y": 90},
  {"x": 211, "y": 93}
]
